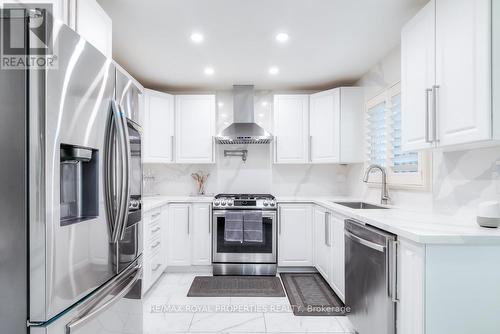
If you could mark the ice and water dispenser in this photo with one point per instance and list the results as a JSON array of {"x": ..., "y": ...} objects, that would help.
[{"x": 79, "y": 184}]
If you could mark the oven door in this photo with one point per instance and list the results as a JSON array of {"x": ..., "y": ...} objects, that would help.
[{"x": 246, "y": 252}]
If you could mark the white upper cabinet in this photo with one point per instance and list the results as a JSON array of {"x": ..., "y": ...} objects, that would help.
[
  {"x": 463, "y": 71},
  {"x": 93, "y": 24},
  {"x": 194, "y": 128},
  {"x": 336, "y": 117},
  {"x": 447, "y": 75},
  {"x": 86, "y": 17},
  {"x": 325, "y": 126},
  {"x": 417, "y": 78},
  {"x": 295, "y": 247},
  {"x": 158, "y": 127},
  {"x": 291, "y": 129}
]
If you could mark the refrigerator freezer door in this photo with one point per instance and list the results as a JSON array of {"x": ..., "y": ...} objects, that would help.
[
  {"x": 105, "y": 311},
  {"x": 69, "y": 105}
]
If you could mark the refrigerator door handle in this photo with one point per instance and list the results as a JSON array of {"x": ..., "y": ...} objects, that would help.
[
  {"x": 126, "y": 174},
  {"x": 115, "y": 131},
  {"x": 92, "y": 311}
]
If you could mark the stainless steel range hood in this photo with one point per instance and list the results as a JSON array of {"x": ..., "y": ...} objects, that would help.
[{"x": 243, "y": 130}]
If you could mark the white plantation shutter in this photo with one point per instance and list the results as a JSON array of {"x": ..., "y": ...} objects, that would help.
[
  {"x": 383, "y": 127},
  {"x": 400, "y": 162},
  {"x": 377, "y": 134}
]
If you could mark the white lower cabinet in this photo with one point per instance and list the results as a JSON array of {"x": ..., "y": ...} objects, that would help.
[
  {"x": 179, "y": 230},
  {"x": 411, "y": 284},
  {"x": 154, "y": 242},
  {"x": 322, "y": 242},
  {"x": 201, "y": 238},
  {"x": 295, "y": 235},
  {"x": 338, "y": 255},
  {"x": 189, "y": 234}
]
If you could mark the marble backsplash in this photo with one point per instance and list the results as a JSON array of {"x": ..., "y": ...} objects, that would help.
[{"x": 256, "y": 175}]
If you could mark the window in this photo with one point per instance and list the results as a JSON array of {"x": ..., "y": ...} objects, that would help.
[{"x": 383, "y": 120}]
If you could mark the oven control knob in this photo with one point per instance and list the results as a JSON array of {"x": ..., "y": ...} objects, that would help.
[
  {"x": 223, "y": 202},
  {"x": 216, "y": 202},
  {"x": 273, "y": 203},
  {"x": 266, "y": 203},
  {"x": 230, "y": 203}
]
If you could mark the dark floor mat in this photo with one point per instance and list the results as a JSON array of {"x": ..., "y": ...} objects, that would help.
[
  {"x": 309, "y": 294},
  {"x": 236, "y": 286}
]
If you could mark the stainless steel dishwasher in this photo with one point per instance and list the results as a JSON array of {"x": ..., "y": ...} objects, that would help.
[{"x": 371, "y": 285}]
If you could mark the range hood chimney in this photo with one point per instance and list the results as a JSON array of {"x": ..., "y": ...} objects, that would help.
[{"x": 243, "y": 130}]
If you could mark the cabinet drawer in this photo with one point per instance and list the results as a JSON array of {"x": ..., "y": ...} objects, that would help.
[
  {"x": 154, "y": 217},
  {"x": 155, "y": 268},
  {"x": 154, "y": 247},
  {"x": 154, "y": 230}
]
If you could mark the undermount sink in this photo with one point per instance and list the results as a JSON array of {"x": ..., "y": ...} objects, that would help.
[{"x": 360, "y": 205}]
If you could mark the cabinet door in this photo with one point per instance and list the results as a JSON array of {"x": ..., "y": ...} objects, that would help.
[
  {"x": 93, "y": 24},
  {"x": 411, "y": 288},
  {"x": 158, "y": 127},
  {"x": 463, "y": 70},
  {"x": 201, "y": 240},
  {"x": 291, "y": 129},
  {"x": 295, "y": 235},
  {"x": 195, "y": 122},
  {"x": 324, "y": 127},
  {"x": 417, "y": 78},
  {"x": 338, "y": 255},
  {"x": 322, "y": 250},
  {"x": 179, "y": 230}
]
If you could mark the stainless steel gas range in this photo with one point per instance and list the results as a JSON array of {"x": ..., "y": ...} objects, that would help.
[{"x": 245, "y": 234}]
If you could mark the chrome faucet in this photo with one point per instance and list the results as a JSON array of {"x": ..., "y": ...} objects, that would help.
[{"x": 384, "y": 197}]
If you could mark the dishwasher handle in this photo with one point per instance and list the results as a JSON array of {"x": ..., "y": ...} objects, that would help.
[
  {"x": 364, "y": 242},
  {"x": 393, "y": 271}
]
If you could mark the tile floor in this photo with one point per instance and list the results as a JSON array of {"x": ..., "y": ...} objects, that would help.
[{"x": 167, "y": 309}]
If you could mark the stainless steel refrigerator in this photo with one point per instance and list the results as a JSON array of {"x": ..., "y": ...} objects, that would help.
[{"x": 71, "y": 189}]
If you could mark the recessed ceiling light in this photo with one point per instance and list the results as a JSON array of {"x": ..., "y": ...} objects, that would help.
[
  {"x": 196, "y": 37},
  {"x": 264, "y": 103},
  {"x": 223, "y": 115},
  {"x": 220, "y": 104},
  {"x": 209, "y": 71},
  {"x": 273, "y": 70},
  {"x": 282, "y": 37},
  {"x": 261, "y": 115}
]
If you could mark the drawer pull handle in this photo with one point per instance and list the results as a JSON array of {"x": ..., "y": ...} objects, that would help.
[
  {"x": 157, "y": 267},
  {"x": 156, "y": 215},
  {"x": 155, "y": 245},
  {"x": 156, "y": 229}
]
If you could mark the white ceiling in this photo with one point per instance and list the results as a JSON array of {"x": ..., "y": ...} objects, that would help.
[{"x": 331, "y": 41}]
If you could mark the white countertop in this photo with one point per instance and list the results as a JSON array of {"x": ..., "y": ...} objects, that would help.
[{"x": 421, "y": 227}]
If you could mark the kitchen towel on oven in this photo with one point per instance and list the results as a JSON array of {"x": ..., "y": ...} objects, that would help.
[
  {"x": 252, "y": 226},
  {"x": 233, "y": 227}
]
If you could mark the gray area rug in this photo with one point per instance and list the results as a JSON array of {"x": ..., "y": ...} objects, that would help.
[
  {"x": 236, "y": 286},
  {"x": 309, "y": 294}
]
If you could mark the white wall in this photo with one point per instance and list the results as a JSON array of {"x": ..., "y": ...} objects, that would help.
[
  {"x": 257, "y": 174},
  {"x": 459, "y": 179}
]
